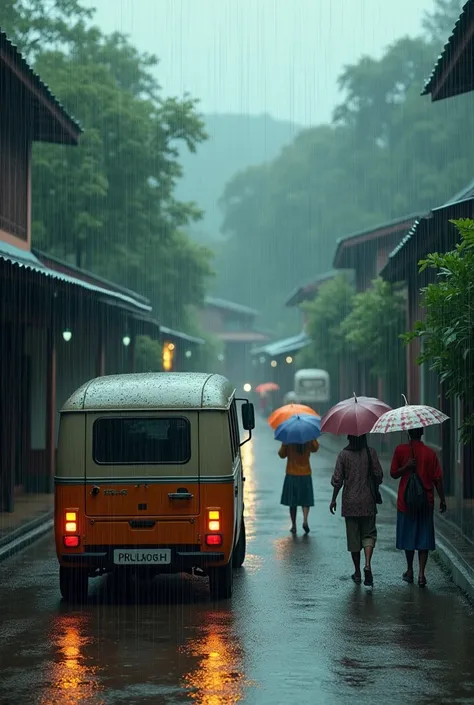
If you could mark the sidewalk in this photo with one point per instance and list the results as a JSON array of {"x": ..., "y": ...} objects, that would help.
[
  {"x": 30, "y": 520},
  {"x": 455, "y": 552}
]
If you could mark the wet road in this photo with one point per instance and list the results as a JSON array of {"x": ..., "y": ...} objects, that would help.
[{"x": 296, "y": 631}]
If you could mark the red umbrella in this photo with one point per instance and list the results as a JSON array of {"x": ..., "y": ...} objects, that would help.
[{"x": 353, "y": 417}]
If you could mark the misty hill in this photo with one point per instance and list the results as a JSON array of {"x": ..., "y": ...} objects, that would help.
[{"x": 235, "y": 142}]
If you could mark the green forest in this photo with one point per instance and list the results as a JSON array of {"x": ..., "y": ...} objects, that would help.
[{"x": 388, "y": 152}]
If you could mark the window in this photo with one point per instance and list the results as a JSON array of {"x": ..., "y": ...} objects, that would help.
[
  {"x": 136, "y": 441},
  {"x": 234, "y": 430}
]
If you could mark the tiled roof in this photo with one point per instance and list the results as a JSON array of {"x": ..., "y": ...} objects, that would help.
[{"x": 12, "y": 52}]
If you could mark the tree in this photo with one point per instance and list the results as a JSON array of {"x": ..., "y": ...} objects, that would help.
[
  {"x": 447, "y": 331},
  {"x": 387, "y": 153},
  {"x": 109, "y": 205},
  {"x": 372, "y": 330},
  {"x": 324, "y": 318}
]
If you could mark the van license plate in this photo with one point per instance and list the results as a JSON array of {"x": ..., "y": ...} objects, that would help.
[{"x": 159, "y": 556}]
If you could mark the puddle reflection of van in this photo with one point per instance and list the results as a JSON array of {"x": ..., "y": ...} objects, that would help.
[{"x": 149, "y": 480}]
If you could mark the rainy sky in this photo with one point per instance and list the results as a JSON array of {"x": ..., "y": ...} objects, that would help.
[{"x": 281, "y": 57}]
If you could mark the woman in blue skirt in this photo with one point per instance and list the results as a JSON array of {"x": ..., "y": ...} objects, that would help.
[
  {"x": 416, "y": 532},
  {"x": 298, "y": 485}
]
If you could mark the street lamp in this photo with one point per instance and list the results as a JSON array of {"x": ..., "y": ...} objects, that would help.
[
  {"x": 220, "y": 357},
  {"x": 289, "y": 359},
  {"x": 126, "y": 340},
  {"x": 247, "y": 387},
  {"x": 67, "y": 335},
  {"x": 274, "y": 363},
  {"x": 188, "y": 354},
  {"x": 262, "y": 360}
]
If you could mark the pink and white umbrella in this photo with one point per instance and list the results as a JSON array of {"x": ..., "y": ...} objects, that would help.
[{"x": 408, "y": 417}]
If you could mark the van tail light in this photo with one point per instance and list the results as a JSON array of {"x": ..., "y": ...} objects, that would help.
[
  {"x": 213, "y": 540},
  {"x": 71, "y": 541},
  {"x": 70, "y": 525},
  {"x": 214, "y": 520}
]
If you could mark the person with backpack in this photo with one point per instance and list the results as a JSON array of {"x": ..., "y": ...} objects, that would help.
[{"x": 418, "y": 469}]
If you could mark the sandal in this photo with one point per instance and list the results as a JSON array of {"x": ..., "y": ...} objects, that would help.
[
  {"x": 356, "y": 578},
  {"x": 368, "y": 577},
  {"x": 293, "y": 530},
  {"x": 306, "y": 528},
  {"x": 407, "y": 577},
  {"x": 422, "y": 582}
]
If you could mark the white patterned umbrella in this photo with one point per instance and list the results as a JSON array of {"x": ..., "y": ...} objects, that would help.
[{"x": 408, "y": 417}]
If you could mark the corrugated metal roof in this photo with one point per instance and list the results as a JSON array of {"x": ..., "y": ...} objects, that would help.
[
  {"x": 23, "y": 258},
  {"x": 230, "y": 306},
  {"x": 286, "y": 345},
  {"x": 183, "y": 336},
  {"x": 466, "y": 194},
  {"x": 460, "y": 27},
  {"x": 22, "y": 64}
]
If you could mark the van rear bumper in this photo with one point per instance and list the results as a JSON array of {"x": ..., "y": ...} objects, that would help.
[{"x": 182, "y": 558}]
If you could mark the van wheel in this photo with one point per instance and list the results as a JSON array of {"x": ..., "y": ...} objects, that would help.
[
  {"x": 73, "y": 584},
  {"x": 239, "y": 551},
  {"x": 221, "y": 581}
]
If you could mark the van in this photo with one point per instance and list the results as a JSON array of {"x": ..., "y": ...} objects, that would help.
[
  {"x": 149, "y": 480},
  {"x": 312, "y": 388}
]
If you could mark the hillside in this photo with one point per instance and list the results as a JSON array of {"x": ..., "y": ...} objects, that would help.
[{"x": 235, "y": 142}]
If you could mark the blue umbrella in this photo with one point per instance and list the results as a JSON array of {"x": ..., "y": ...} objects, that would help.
[{"x": 298, "y": 429}]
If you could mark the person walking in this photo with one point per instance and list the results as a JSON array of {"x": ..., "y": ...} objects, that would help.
[
  {"x": 415, "y": 524},
  {"x": 359, "y": 474},
  {"x": 298, "y": 484}
]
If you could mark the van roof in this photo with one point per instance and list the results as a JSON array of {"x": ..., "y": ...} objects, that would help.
[{"x": 152, "y": 390}]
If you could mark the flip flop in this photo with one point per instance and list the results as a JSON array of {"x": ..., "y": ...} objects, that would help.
[
  {"x": 368, "y": 577},
  {"x": 356, "y": 578},
  {"x": 422, "y": 582},
  {"x": 407, "y": 578},
  {"x": 293, "y": 530},
  {"x": 306, "y": 528}
]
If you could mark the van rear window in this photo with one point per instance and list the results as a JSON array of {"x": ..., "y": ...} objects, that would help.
[{"x": 141, "y": 441}]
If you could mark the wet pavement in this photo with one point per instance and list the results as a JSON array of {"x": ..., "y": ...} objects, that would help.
[{"x": 296, "y": 631}]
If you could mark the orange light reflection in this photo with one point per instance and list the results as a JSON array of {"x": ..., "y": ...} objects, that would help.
[
  {"x": 72, "y": 681},
  {"x": 217, "y": 679}
]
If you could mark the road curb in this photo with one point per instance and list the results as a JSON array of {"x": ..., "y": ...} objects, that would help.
[
  {"x": 26, "y": 535},
  {"x": 461, "y": 572}
]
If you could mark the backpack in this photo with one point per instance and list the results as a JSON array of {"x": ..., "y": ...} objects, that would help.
[{"x": 416, "y": 499}]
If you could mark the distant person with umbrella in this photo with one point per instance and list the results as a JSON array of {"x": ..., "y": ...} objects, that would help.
[
  {"x": 358, "y": 474},
  {"x": 298, "y": 435},
  {"x": 418, "y": 469}
]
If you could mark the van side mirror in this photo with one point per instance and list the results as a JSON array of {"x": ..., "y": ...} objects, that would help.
[{"x": 248, "y": 416}]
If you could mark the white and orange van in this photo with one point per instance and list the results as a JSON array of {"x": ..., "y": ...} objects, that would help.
[{"x": 149, "y": 479}]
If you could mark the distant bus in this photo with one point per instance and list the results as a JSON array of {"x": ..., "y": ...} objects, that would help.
[{"x": 312, "y": 389}]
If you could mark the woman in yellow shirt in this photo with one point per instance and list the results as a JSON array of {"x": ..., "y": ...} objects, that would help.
[{"x": 298, "y": 485}]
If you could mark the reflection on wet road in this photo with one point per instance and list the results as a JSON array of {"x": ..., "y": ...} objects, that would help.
[{"x": 297, "y": 629}]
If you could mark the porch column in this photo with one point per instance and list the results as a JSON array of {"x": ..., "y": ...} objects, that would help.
[
  {"x": 50, "y": 406},
  {"x": 101, "y": 351},
  {"x": 131, "y": 347}
]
